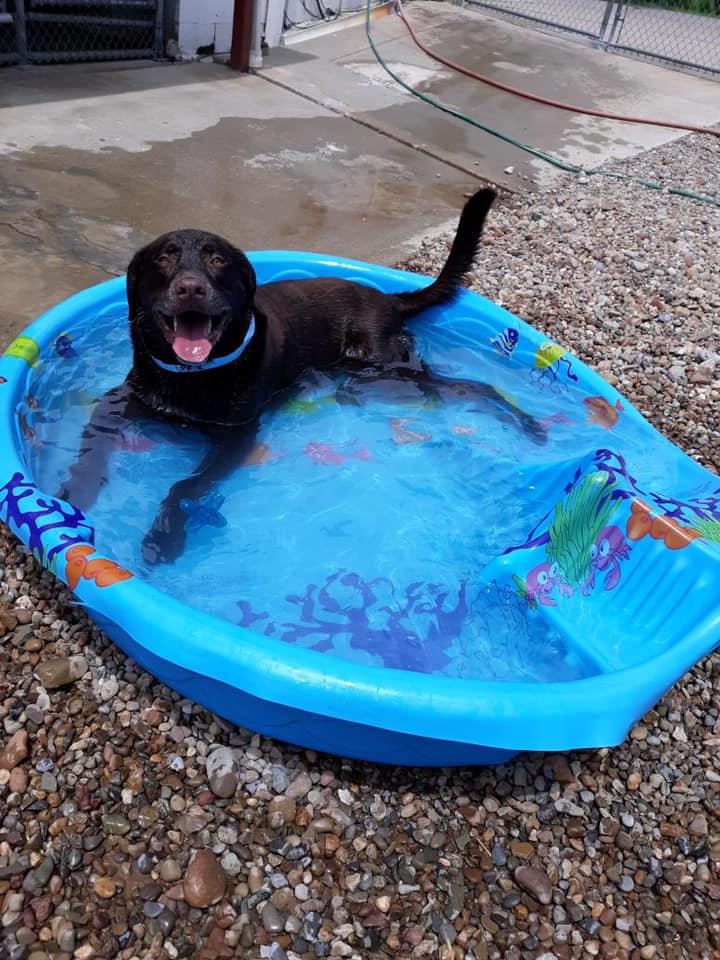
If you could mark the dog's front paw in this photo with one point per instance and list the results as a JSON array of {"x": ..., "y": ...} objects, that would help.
[
  {"x": 64, "y": 493},
  {"x": 165, "y": 541},
  {"x": 82, "y": 498}
]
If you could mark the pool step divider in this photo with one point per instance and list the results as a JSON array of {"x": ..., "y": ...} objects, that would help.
[{"x": 501, "y": 570}]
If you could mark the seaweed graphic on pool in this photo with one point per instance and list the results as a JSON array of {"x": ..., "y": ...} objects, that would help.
[
  {"x": 708, "y": 529},
  {"x": 23, "y": 505},
  {"x": 578, "y": 528},
  {"x": 583, "y": 546}
]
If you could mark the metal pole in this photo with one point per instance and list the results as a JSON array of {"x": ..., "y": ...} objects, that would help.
[
  {"x": 242, "y": 35},
  {"x": 606, "y": 18},
  {"x": 158, "y": 44},
  {"x": 618, "y": 23},
  {"x": 20, "y": 32}
]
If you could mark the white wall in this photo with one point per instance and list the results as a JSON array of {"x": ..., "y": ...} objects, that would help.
[
  {"x": 201, "y": 22},
  {"x": 297, "y": 13}
]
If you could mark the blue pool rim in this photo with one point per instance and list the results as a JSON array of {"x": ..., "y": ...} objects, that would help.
[{"x": 326, "y": 703}]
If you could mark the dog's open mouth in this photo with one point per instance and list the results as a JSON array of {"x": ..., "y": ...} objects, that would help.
[{"x": 192, "y": 335}]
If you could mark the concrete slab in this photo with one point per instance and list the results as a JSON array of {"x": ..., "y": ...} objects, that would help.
[
  {"x": 87, "y": 178},
  {"x": 321, "y": 151},
  {"x": 346, "y": 76}
]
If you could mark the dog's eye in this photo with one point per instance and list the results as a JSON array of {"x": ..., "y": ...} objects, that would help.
[
  {"x": 217, "y": 261},
  {"x": 163, "y": 260}
]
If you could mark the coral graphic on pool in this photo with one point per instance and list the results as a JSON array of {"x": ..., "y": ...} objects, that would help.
[
  {"x": 421, "y": 627},
  {"x": 49, "y": 525}
]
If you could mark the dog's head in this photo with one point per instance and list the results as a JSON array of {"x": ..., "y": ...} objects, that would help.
[{"x": 190, "y": 295}]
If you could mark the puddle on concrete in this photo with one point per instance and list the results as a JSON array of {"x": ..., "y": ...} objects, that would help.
[
  {"x": 69, "y": 218},
  {"x": 409, "y": 72}
]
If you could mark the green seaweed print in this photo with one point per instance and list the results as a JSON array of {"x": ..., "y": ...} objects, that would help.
[
  {"x": 577, "y": 525},
  {"x": 709, "y": 529}
]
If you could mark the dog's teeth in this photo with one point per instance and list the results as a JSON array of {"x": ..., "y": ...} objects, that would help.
[
  {"x": 208, "y": 327},
  {"x": 174, "y": 324}
]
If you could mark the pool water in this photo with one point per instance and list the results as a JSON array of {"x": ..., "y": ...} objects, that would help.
[{"x": 365, "y": 532}]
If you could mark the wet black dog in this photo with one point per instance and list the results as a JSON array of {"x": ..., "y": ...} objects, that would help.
[{"x": 211, "y": 349}]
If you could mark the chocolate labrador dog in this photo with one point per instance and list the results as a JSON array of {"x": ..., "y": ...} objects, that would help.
[{"x": 213, "y": 350}]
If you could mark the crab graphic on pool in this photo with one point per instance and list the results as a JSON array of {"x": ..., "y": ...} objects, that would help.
[
  {"x": 540, "y": 584},
  {"x": 605, "y": 556}
]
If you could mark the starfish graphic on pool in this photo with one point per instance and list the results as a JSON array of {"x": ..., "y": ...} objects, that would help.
[{"x": 204, "y": 512}]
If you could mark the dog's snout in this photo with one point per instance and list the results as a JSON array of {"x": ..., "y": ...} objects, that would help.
[{"x": 189, "y": 286}]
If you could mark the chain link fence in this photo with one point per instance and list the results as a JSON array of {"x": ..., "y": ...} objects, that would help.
[
  {"x": 58, "y": 31},
  {"x": 8, "y": 38},
  {"x": 685, "y": 33}
]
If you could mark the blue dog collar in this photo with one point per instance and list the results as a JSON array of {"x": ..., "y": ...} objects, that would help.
[{"x": 215, "y": 362}]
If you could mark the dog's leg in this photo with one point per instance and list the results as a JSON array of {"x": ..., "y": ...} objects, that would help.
[
  {"x": 229, "y": 447},
  {"x": 484, "y": 394},
  {"x": 99, "y": 438},
  {"x": 433, "y": 387}
]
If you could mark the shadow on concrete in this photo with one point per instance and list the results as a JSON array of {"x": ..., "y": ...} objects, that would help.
[{"x": 77, "y": 81}]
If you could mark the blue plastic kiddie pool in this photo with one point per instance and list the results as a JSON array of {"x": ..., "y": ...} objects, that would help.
[{"x": 398, "y": 580}]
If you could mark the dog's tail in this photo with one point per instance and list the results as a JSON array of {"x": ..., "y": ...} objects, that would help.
[{"x": 462, "y": 256}]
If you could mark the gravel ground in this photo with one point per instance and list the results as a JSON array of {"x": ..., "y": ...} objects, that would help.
[{"x": 135, "y": 824}]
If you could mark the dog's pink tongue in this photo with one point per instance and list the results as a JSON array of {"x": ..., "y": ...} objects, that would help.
[
  {"x": 190, "y": 350},
  {"x": 191, "y": 344}
]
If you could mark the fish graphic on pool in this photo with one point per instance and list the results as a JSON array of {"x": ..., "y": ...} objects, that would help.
[{"x": 506, "y": 341}]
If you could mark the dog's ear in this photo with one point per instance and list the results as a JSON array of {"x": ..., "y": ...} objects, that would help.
[
  {"x": 248, "y": 276},
  {"x": 131, "y": 282}
]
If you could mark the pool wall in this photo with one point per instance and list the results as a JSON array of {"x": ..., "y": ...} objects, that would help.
[{"x": 651, "y": 611}]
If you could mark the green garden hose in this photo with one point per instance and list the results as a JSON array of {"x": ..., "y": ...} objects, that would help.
[{"x": 533, "y": 151}]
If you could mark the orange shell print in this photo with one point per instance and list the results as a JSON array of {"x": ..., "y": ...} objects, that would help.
[
  {"x": 642, "y": 522},
  {"x": 103, "y": 572}
]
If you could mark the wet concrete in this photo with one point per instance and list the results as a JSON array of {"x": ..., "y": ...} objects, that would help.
[
  {"x": 318, "y": 152},
  {"x": 515, "y": 55},
  {"x": 85, "y": 180}
]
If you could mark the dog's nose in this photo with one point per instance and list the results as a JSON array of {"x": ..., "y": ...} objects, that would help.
[{"x": 189, "y": 286}]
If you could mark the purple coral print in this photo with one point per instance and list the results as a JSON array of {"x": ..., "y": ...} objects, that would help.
[
  {"x": 407, "y": 629},
  {"x": 23, "y": 505}
]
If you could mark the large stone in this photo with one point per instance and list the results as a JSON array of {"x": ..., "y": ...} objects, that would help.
[
  {"x": 223, "y": 772},
  {"x": 16, "y": 750},
  {"x": 116, "y": 824},
  {"x": 36, "y": 879},
  {"x": 272, "y": 920},
  {"x": 534, "y": 882},
  {"x": 301, "y": 785},
  {"x": 699, "y": 826},
  {"x": 204, "y": 882},
  {"x": 61, "y": 672},
  {"x": 18, "y": 781},
  {"x": 281, "y": 811}
]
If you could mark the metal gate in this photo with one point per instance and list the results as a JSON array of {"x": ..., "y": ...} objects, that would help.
[
  {"x": 685, "y": 33},
  {"x": 62, "y": 31}
]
